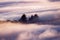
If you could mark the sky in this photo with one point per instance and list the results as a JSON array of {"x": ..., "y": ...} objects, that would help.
[{"x": 14, "y": 8}]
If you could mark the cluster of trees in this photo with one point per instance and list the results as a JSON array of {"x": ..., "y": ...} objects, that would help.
[
  {"x": 32, "y": 19},
  {"x": 35, "y": 19},
  {"x": 24, "y": 19}
]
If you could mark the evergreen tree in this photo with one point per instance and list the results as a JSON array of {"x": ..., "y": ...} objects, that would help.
[
  {"x": 23, "y": 19},
  {"x": 30, "y": 19},
  {"x": 36, "y": 16},
  {"x": 34, "y": 19}
]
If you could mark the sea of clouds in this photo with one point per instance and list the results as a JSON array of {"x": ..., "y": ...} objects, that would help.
[
  {"x": 29, "y": 32},
  {"x": 13, "y": 9}
]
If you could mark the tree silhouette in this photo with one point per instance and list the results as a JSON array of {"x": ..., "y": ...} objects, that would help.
[
  {"x": 36, "y": 16},
  {"x": 33, "y": 19},
  {"x": 23, "y": 19}
]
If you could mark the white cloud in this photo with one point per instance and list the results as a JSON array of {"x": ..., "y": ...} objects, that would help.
[{"x": 29, "y": 31}]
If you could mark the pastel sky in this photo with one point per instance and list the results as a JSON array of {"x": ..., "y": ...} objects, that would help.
[{"x": 14, "y": 8}]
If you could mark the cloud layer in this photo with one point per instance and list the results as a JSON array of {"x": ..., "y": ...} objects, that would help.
[
  {"x": 17, "y": 7},
  {"x": 29, "y": 32}
]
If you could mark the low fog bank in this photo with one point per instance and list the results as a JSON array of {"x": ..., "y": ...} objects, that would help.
[{"x": 17, "y": 31}]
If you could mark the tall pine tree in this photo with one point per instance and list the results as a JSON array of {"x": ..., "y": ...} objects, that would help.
[{"x": 23, "y": 19}]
